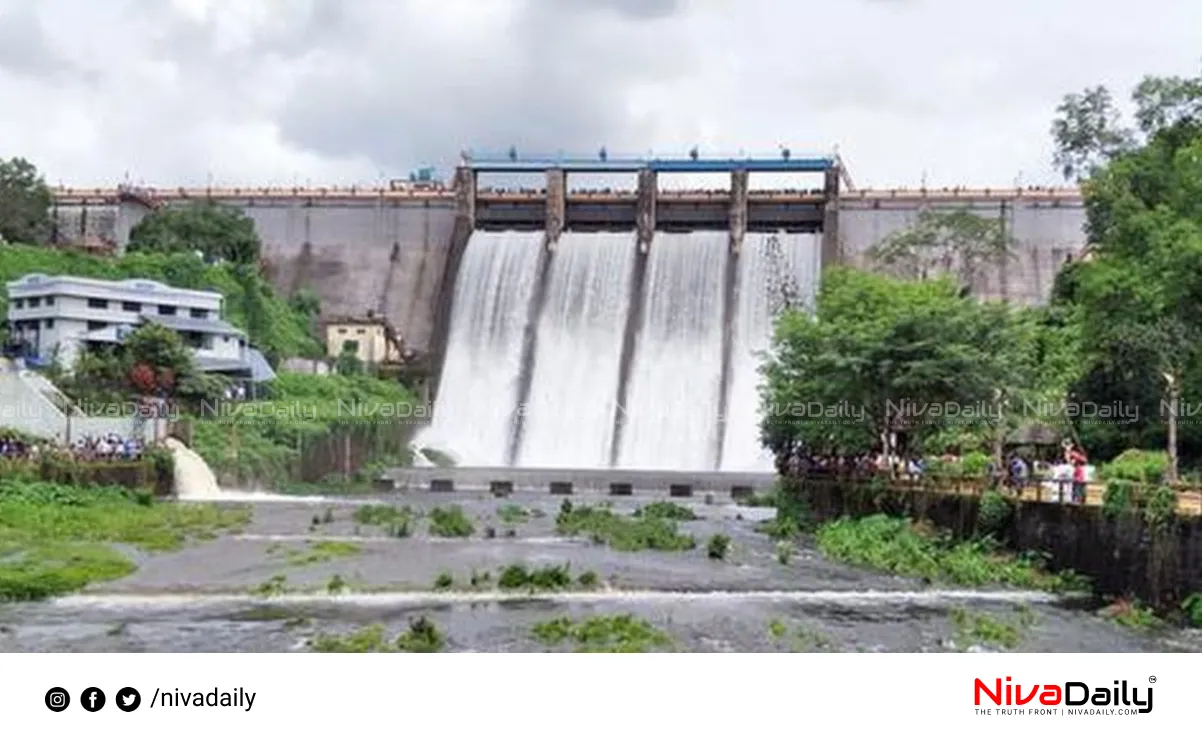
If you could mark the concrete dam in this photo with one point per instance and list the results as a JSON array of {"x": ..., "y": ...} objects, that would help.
[{"x": 593, "y": 329}]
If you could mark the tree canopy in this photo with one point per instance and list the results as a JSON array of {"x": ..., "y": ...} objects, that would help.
[
  {"x": 945, "y": 243},
  {"x": 1138, "y": 298},
  {"x": 216, "y": 231},
  {"x": 1123, "y": 327},
  {"x": 883, "y": 356},
  {"x": 25, "y": 203}
]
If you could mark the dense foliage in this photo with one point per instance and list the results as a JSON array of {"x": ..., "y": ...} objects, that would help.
[
  {"x": 264, "y": 441},
  {"x": 880, "y": 349},
  {"x": 1123, "y": 326},
  {"x": 24, "y": 203},
  {"x": 216, "y": 231}
]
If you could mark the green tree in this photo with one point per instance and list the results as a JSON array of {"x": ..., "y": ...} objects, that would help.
[
  {"x": 1136, "y": 300},
  {"x": 25, "y": 202},
  {"x": 216, "y": 231},
  {"x": 159, "y": 348},
  {"x": 1087, "y": 131},
  {"x": 944, "y": 243},
  {"x": 348, "y": 363},
  {"x": 877, "y": 358}
]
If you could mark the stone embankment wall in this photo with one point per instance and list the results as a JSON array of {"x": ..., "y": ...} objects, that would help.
[{"x": 1123, "y": 555}]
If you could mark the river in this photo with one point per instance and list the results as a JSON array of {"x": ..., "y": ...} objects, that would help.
[{"x": 201, "y": 599}]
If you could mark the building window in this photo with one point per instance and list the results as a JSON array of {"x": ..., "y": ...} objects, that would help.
[
  {"x": 94, "y": 325},
  {"x": 341, "y": 331},
  {"x": 166, "y": 310},
  {"x": 225, "y": 339},
  {"x": 350, "y": 346},
  {"x": 49, "y": 301},
  {"x": 49, "y": 324},
  {"x": 199, "y": 314},
  {"x": 360, "y": 331},
  {"x": 17, "y": 303},
  {"x": 34, "y": 302},
  {"x": 131, "y": 306},
  {"x": 98, "y": 304}
]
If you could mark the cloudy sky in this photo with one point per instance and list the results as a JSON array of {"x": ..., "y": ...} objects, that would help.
[{"x": 282, "y": 92}]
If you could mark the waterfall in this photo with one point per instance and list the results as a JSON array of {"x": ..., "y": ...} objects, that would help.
[
  {"x": 770, "y": 264},
  {"x": 478, "y": 391},
  {"x": 672, "y": 404},
  {"x": 573, "y": 391},
  {"x": 193, "y": 478}
]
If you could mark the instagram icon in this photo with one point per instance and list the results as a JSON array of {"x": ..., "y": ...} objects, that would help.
[{"x": 57, "y": 699}]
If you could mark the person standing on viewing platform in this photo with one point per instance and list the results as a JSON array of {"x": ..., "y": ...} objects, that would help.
[
  {"x": 1019, "y": 473},
  {"x": 1077, "y": 460}
]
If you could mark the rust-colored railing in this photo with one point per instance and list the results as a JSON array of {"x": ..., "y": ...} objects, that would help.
[{"x": 1189, "y": 497}]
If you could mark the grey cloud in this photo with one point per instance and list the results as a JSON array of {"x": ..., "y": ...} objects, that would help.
[
  {"x": 636, "y": 9},
  {"x": 25, "y": 48},
  {"x": 556, "y": 80}
]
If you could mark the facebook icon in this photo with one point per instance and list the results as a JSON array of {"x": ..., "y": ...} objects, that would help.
[{"x": 92, "y": 699}]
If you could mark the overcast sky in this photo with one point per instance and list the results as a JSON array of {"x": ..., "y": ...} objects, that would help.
[{"x": 279, "y": 92}]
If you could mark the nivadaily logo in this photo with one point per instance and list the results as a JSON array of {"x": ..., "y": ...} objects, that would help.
[{"x": 1071, "y": 698}]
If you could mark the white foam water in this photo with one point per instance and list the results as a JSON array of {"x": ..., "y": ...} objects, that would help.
[
  {"x": 477, "y": 395},
  {"x": 671, "y": 415},
  {"x": 769, "y": 265},
  {"x": 569, "y": 415}
]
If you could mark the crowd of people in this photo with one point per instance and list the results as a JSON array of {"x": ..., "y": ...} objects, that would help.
[
  {"x": 112, "y": 447},
  {"x": 1065, "y": 477}
]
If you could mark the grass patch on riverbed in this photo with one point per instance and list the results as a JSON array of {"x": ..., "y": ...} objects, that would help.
[
  {"x": 511, "y": 513},
  {"x": 897, "y": 546},
  {"x": 56, "y": 539},
  {"x": 974, "y": 628},
  {"x": 317, "y": 552},
  {"x": 518, "y": 577},
  {"x": 626, "y": 534},
  {"x": 423, "y": 636},
  {"x": 619, "y": 633},
  {"x": 450, "y": 522},
  {"x": 396, "y": 522},
  {"x": 666, "y": 510}
]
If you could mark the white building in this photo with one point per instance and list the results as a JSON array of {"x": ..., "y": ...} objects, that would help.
[{"x": 59, "y": 316}]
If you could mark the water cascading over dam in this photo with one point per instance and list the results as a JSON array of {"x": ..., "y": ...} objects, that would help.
[
  {"x": 672, "y": 407},
  {"x": 773, "y": 268},
  {"x": 569, "y": 414},
  {"x": 479, "y": 386},
  {"x": 594, "y": 356}
]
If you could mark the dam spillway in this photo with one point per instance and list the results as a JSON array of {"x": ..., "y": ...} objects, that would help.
[
  {"x": 473, "y": 417},
  {"x": 671, "y": 414},
  {"x": 569, "y": 414},
  {"x": 594, "y": 355},
  {"x": 773, "y": 268}
]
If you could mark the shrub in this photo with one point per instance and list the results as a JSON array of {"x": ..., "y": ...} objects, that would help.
[
  {"x": 1118, "y": 498},
  {"x": 717, "y": 547},
  {"x": 450, "y": 522},
  {"x": 1137, "y": 465},
  {"x": 993, "y": 514},
  {"x": 423, "y": 636}
]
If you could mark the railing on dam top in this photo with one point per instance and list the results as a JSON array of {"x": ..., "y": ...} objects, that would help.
[
  {"x": 66, "y": 195},
  {"x": 1038, "y": 489}
]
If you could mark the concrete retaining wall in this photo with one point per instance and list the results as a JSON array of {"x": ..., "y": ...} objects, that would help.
[
  {"x": 1045, "y": 234},
  {"x": 565, "y": 482},
  {"x": 1123, "y": 556},
  {"x": 390, "y": 254}
]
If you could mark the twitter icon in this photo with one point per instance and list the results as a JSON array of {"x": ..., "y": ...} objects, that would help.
[{"x": 128, "y": 699}]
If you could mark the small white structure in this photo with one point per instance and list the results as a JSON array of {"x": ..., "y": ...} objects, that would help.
[{"x": 57, "y": 317}]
